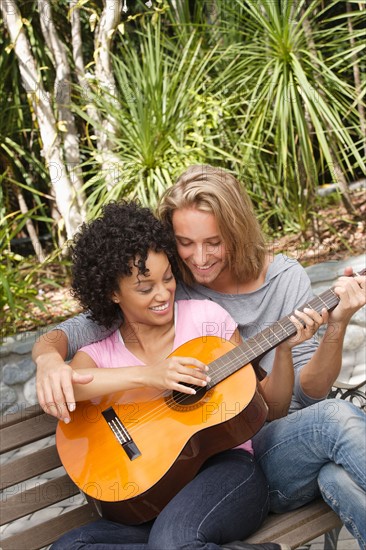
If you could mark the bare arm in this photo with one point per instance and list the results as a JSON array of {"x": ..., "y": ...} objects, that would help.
[
  {"x": 55, "y": 378},
  {"x": 319, "y": 374},
  {"x": 278, "y": 386},
  {"x": 171, "y": 373}
]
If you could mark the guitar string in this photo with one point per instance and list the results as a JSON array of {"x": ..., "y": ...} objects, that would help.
[
  {"x": 222, "y": 372},
  {"x": 154, "y": 413},
  {"x": 226, "y": 369},
  {"x": 121, "y": 427}
]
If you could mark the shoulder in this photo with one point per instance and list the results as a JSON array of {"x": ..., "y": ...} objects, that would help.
[
  {"x": 283, "y": 266},
  {"x": 197, "y": 318},
  {"x": 281, "y": 262},
  {"x": 185, "y": 292},
  {"x": 105, "y": 345},
  {"x": 200, "y": 307},
  {"x": 110, "y": 352},
  {"x": 288, "y": 284}
]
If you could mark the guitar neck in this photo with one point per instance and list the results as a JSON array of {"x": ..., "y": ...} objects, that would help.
[{"x": 269, "y": 338}]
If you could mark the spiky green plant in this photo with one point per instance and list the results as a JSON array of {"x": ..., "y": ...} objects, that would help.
[
  {"x": 297, "y": 124},
  {"x": 166, "y": 115}
]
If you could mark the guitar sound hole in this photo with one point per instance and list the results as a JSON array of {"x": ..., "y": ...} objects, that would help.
[{"x": 183, "y": 399}]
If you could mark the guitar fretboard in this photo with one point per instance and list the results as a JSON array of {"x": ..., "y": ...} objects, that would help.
[{"x": 266, "y": 340}]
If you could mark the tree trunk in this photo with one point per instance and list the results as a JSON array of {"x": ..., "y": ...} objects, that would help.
[
  {"x": 41, "y": 103},
  {"x": 108, "y": 23},
  {"x": 30, "y": 227},
  {"x": 62, "y": 91},
  {"x": 77, "y": 53}
]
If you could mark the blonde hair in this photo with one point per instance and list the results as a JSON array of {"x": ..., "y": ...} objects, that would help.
[{"x": 217, "y": 191}]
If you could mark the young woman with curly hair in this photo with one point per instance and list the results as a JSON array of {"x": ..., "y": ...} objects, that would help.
[{"x": 124, "y": 273}]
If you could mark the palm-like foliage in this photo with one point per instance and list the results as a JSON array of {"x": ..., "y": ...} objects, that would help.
[
  {"x": 166, "y": 115},
  {"x": 266, "y": 89},
  {"x": 297, "y": 116}
]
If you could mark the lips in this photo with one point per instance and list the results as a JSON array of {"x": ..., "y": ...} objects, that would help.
[
  {"x": 163, "y": 307},
  {"x": 203, "y": 268}
]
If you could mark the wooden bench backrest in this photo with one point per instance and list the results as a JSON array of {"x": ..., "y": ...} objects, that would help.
[{"x": 24, "y": 493}]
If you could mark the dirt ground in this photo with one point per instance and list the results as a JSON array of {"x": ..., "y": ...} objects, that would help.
[{"x": 334, "y": 235}]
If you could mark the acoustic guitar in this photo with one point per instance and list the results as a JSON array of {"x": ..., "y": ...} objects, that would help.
[{"x": 133, "y": 451}]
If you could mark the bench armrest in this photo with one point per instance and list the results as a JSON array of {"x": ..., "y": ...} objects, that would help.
[{"x": 349, "y": 392}]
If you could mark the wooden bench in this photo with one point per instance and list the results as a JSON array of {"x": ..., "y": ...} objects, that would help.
[
  {"x": 32, "y": 480},
  {"x": 24, "y": 489}
]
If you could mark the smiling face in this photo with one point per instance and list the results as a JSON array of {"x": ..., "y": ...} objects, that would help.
[
  {"x": 148, "y": 299},
  {"x": 201, "y": 246}
]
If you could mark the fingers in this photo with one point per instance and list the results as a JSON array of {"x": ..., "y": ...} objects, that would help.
[
  {"x": 352, "y": 296},
  {"x": 311, "y": 318},
  {"x": 307, "y": 322},
  {"x": 353, "y": 285},
  {"x": 56, "y": 394},
  {"x": 59, "y": 394},
  {"x": 187, "y": 370},
  {"x": 348, "y": 271},
  {"x": 56, "y": 407},
  {"x": 79, "y": 378},
  {"x": 68, "y": 390},
  {"x": 50, "y": 401}
]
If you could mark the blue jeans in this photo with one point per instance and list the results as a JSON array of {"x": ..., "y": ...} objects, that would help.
[
  {"x": 319, "y": 450},
  {"x": 226, "y": 501}
]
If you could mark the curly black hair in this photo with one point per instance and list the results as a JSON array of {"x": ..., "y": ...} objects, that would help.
[{"x": 104, "y": 250}]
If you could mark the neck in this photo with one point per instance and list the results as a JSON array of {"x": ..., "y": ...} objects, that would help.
[
  {"x": 228, "y": 283},
  {"x": 148, "y": 342}
]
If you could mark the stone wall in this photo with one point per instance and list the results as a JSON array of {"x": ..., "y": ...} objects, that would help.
[{"x": 17, "y": 375}]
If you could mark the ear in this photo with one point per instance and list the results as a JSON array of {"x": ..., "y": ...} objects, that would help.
[{"x": 115, "y": 298}]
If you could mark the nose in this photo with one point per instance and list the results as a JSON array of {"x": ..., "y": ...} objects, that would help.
[
  {"x": 162, "y": 293},
  {"x": 201, "y": 253}
]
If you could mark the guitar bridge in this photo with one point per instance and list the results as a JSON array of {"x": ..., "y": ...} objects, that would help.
[{"x": 121, "y": 433}]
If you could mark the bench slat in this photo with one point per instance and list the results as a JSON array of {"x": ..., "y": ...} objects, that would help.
[
  {"x": 29, "y": 466},
  {"x": 9, "y": 419},
  {"x": 298, "y": 526},
  {"x": 41, "y": 496},
  {"x": 44, "y": 534},
  {"x": 27, "y": 431},
  {"x": 293, "y": 528},
  {"x": 310, "y": 531}
]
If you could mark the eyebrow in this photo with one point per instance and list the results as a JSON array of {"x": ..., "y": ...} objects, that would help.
[
  {"x": 137, "y": 283},
  {"x": 208, "y": 238}
]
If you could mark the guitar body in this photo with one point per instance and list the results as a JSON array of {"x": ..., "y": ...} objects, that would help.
[{"x": 171, "y": 437}]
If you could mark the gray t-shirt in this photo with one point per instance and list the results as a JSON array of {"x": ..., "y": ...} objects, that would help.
[{"x": 286, "y": 287}]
